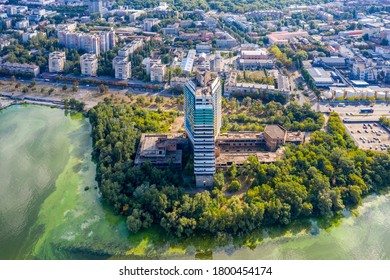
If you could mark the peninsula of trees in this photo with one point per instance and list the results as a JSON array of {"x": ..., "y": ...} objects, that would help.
[{"x": 316, "y": 179}]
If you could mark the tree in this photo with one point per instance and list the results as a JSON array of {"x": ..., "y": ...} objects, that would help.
[
  {"x": 385, "y": 42},
  {"x": 234, "y": 186},
  {"x": 64, "y": 87},
  {"x": 103, "y": 88},
  {"x": 75, "y": 86},
  {"x": 219, "y": 180},
  {"x": 232, "y": 171}
]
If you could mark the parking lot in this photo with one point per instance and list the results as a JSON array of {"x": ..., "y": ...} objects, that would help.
[{"x": 369, "y": 136}]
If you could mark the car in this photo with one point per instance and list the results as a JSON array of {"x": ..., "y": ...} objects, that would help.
[
  {"x": 366, "y": 131},
  {"x": 358, "y": 131},
  {"x": 351, "y": 131},
  {"x": 375, "y": 124},
  {"x": 376, "y": 147},
  {"x": 370, "y": 147}
]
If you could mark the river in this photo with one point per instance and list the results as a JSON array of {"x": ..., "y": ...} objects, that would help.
[{"x": 50, "y": 207}]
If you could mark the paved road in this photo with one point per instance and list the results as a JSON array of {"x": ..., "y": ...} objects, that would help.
[{"x": 379, "y": 110}]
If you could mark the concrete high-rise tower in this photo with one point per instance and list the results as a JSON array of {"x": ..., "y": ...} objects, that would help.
[
  {"x": 95, "y": 6},
  {"x": 202, "y": 113}
]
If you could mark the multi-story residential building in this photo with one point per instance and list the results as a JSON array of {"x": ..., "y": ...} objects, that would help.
[
  {"x": 22, "y": 24},
  {"x": 202, "y": 113},
  {"x": 218, "y": 63},
  {"x": 15, "y": 68},
  {"x": 29, "y": 35},
  {"x": 131, "y": 48},
  {"x": 171, "y": 30},
  {"x": 226, "y": 41},
  {"x": 39, "y": 2},
  {"x": 364, "y": 73},
  {"x": 148, "y": 62},
  {"x": 77, "y": 40},
  {"x": 107, "y": 40},
  {"x": 265, "y": 15},
  {"x": 90, "y": 43},
  {"x": 203, "y": 48},
  {"x": 95, "y": 6},
  {"x": 157, "y": 73},
  {"x": 57, "y": 61},
  {"x": 88, "y": 64},
  {"x": 122, "y": 67},
  {"x": 149, "y": 23}
]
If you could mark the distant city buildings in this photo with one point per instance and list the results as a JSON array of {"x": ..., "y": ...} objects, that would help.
[
  {"x": 202, "y": 113},
  {"x": 89, "y": 64},
  {"x": 92, "y": 43},
  {"x": 38, "y": 2},
  {"x": 57, "y": 62}
]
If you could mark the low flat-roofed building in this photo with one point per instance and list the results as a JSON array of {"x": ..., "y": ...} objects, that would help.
[
  {"x": 18, "y": 68},
  {"x": 236, "y": 147},
  {"x": 161, "y": 150},
  {"x": 274, "y": 136},
  {"x": 178, "y": 82},
  {"x": 283, "y": 83},
  {"x": 253, "y": 64},
  {"x": 240, "y": 141},
  {"x": 334, "y": 61},
  {"x": 203, "y": 48},
  {"x": 283, "y": 37},
  {"x": 320, "y": 76},
  {"x": 255, "y": 54}
]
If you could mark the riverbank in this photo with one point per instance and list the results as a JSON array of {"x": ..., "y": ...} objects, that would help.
[
  {"x": 20, "y": 98},
  {"x": 6, "y": 102}
]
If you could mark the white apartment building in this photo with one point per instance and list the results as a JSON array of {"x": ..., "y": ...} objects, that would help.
[
  {"x": 57, "y": 62},
  {"x": 88, "y": 64},
  {"x": 122, "y": 68},
  {"x": 157, "y": 73},
  {"x": 149, "y": 23}
]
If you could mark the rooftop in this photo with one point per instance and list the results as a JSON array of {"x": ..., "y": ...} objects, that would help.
[{"x": 275, "y": 131}]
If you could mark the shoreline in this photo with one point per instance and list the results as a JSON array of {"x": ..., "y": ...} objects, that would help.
[{"x": 7, "y": 100}]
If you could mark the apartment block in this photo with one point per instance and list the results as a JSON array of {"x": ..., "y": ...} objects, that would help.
[
  {"x": 88, "y": 64},
  {"x": 157, "y": 73},
  {"x": 57, "y": 62}
]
